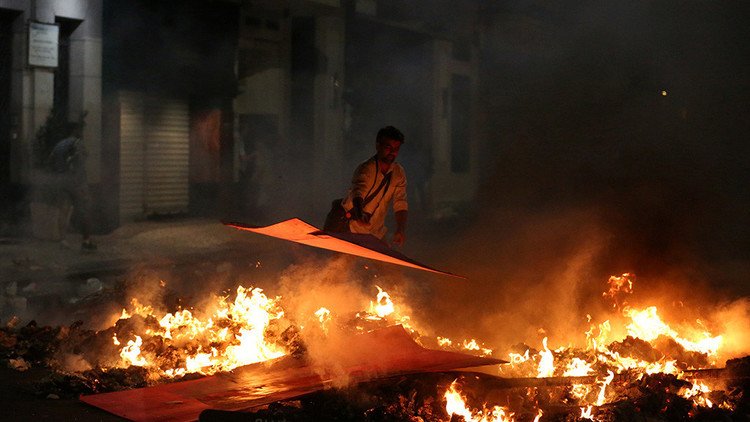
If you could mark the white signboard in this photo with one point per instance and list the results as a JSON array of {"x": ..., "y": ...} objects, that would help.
[{"x": 43, "y": 44}]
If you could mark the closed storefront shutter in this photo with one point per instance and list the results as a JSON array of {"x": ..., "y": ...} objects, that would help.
[
  {"x": 167, "y": 153},
  {"x": 132, "y": 156},
  {"x": 154, "y": 152}
]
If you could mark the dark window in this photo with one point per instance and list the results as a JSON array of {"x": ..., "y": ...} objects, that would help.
[
  {"x": 273, "y": 24},
  {"x": 194, "y": 55},
  {"x": 460, "y": 115},
  {"x": 304, "y": 63},
  {"x": 461, "y": 51},
  {"x": 6, "y": 62},
  {"x": 61, "y": 97},
  {"x": 252, "y": 21}
]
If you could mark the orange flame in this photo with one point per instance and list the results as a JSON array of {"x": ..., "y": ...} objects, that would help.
[
  {"x": 546, "y": 361},
  {"x": 643, "y": 324},
  {"x": 455, "y": 404},
  {"x": 238, "y": 326}
]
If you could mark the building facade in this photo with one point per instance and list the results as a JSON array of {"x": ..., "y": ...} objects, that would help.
[
  {"x": 258, "y": 109},
  {"x": 50, "y": 58}
]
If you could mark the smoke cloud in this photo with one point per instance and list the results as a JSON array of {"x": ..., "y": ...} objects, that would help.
[{"x": 611, "y": 144}]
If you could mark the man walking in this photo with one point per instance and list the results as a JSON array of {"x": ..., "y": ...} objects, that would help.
[{"x": 67, "y": 161}]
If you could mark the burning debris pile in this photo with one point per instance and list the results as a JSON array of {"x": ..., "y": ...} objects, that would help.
[{"x": 651, "y": 371}]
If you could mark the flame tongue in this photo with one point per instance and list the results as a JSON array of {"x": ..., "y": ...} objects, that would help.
[
  {"x": 383, "y": 305},
  {"x": 455, "y": 404}
]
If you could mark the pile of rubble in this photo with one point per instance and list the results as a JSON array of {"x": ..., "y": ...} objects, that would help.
[
  {"x": 419, "y": 397},
  {"x": 66, "y": 352},
  {"x": 69, "y": 352}
]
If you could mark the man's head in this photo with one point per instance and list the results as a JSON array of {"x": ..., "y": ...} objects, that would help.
[{"x": 387, "y": 143}]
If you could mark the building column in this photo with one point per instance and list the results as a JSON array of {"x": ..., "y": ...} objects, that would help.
[
  {"x": 39, "y": 82},
  {"x": 328, "y": 109},
  {"x": 441, "y": 112},
  {"x": 86, "y": 84},
  {"x": 454, "y": 96}
]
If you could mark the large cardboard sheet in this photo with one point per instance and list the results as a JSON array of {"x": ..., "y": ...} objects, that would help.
[
  {"x": 377, "y": 354},
  {"x": 363, "y": 245}
]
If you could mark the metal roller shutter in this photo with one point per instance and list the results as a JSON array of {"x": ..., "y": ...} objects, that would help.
[
  {"x": 154, "y": 153},
  {"x": 132, "y": 153},
  {"x": 167, "y": 153}
]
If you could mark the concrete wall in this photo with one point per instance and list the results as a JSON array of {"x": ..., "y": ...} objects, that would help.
[
  {"x": 264, "y": 38},
  {"x": 448, "y": 189},
  {"x": 328, "y": 110},
  {"x": 265, "y": 86},
  {"x": 20, "y": 84},
  {"x": 86, "y": 75},
  {"x": 33, "y": 87}
]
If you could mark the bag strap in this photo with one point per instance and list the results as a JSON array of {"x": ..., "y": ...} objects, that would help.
[
  {"x": 377, "y": 170},
  {"x": 385, "y": 182}
]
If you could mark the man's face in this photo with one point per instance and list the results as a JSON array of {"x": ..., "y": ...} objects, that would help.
[{"x": 388, "y": 150}]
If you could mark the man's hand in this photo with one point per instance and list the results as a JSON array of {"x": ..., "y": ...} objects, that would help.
[
  {"x": 357, "y": 213},
  {"x": 399, "y": 238}
]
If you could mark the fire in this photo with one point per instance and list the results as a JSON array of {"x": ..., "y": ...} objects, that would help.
[
  {"x": 546, "y": 361},
  {"x": 472, "y": 344},
  {"x": 619, "y": 286},
  {"x": 578, "y": 368},
  {"x": 594, "y": 342},
  {"x": 455, "y": 404},
  {"x": 247, "y": 329},
  {"x": 648, "y": 326},
  {"x": 384, "y": 310},
  {"x": 324, "y": 317},
  {"x": 538, "y": 416},
  {"x": 696, "y": 393},
  {"x": 600, "y": 399},
  {"x": 238, "y": 332},
  {"x": 132, "y": 352},
  {"x": 383, "y": 305},
  {"x": 234, "y": 335},
  {"x": 644, "y": 329},
  {"x": 516, "y": 358}
]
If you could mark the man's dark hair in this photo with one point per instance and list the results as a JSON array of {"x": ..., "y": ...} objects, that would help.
[{"x": 390, "y": 132}]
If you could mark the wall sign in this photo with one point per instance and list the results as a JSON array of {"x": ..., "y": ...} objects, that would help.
[{"x": 43, "y": 39}]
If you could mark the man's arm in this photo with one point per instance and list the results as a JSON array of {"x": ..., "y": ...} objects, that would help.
[
  {"x": 400, "y": 205},
  {"x": 357, "y": 210},
  {"x": 399, "y": 237},
  {"x": 363, "y": 180}
]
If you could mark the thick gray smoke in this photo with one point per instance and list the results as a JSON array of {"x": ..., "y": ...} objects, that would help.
[{"x": 613, "y": 143}]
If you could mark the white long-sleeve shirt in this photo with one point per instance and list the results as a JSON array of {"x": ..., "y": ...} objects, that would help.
[{"x": 366, "y": 180}]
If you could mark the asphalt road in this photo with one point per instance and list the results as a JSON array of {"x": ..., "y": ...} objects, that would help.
[{"x": 21, "y": 400}]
